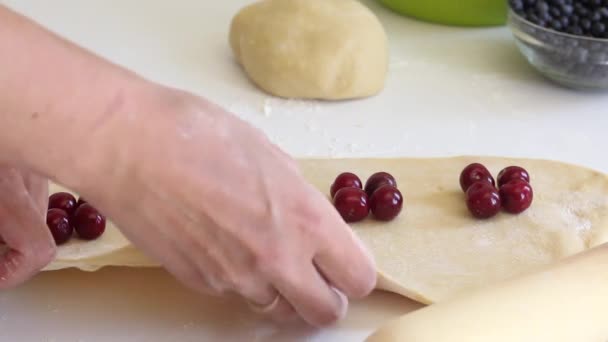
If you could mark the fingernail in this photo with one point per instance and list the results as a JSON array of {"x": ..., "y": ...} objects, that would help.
[{"x": 343, "y": 302}]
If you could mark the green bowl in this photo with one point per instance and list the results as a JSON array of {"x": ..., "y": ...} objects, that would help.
[{"x": 453, "y": 12}]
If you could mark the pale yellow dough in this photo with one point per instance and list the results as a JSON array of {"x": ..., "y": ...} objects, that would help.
[
  {"x": 311, "y": 49},
  {"x": 564, "y": 302},
  {"x": 435, "y": 249}
]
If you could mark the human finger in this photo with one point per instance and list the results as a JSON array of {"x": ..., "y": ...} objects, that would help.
[
  {"x": 310, "y": 295},
  {"x": 30, "y": 244},
  {"x": 341, "y": 256}
]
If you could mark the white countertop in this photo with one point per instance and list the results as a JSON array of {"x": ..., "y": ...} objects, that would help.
[{"x": 450, "y": 91}]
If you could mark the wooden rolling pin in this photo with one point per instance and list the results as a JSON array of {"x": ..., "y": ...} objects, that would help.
[{"x": 566, "y": 302}]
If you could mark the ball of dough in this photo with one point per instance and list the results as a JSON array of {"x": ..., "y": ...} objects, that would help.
[{"x": 311, "y": 49}]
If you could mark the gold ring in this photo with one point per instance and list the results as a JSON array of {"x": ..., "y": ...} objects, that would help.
[{"x": 264, "y": 308}]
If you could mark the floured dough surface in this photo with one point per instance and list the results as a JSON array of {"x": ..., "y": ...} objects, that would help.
[{"x": 435, "y": 249}]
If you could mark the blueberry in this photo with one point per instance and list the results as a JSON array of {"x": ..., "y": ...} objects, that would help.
[
  {"x": 556, "y": 25},
  {"x": 517, "y": 5},
  {"x": 542, "y": 7},
  {"x": 567, "y": 9},
  {"x": 586, "y": 24},
  {"x": 598, "y": 29}
]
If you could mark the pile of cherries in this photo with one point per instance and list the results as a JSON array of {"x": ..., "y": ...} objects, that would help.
[
  {"x": 354, "y": 202},
  {"x": 484, "y": 199},
  {"x": 67, "y": 215}
]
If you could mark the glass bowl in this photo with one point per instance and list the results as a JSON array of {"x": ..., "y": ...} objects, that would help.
[{"x": 572, "y": 61}]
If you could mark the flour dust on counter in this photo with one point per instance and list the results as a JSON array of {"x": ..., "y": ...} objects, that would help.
[{"x": 435, "y": 249}]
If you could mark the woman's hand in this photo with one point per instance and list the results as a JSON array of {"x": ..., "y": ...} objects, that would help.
[
  {"x": 26, "y": 244},
  {"x": 223, "y": 209},
  {"x": 201, "y": 191}
]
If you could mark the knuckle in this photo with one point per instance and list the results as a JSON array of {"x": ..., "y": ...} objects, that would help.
[
  {"x": 363, "y": 286},
  {"x": 285, "y": 313},
  {"x": 326, "y": 315},
  {"x": 41, "y": 254},
  {"x": 357, "y": 281},
  {"x": 310, "y": 219},
  {"x": 225, "y": 282},
  {"x": 201, "y": 283},
  {"x": 216, "y": 281},
  {"x": 365, "y": 278},
  {"x": 217, "y": 288}
]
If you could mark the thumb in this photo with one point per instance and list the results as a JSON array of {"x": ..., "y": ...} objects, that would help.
[
  {"x": 23, "y": 255},
  {"x": 29, "y": 244}
]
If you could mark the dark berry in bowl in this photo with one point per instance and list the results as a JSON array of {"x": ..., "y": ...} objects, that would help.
[
  {"x": 64, "y": 201},
  {"x": 516, "y": 196},
  {"x": 386, "y": 203},
  {"x": 377, "y": 180},
  {"x": 345, "y": 180},
  {"x": 60, "y": 226},
  {"x": 565, "y": 40},
  {"x": 511, "y": 173},
  {"x": 474, "y": 173},
  {"x": 88, "y": 222},
  {"x": 351, "y": 204},
  {"x": 483, "y": 200},
  {"x": 587, "y": 18}
]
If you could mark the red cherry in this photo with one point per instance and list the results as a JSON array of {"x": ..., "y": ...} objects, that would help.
[
  {"x": 516, "y": 196},
  {"x": 88, "y": 222},
  {"x": 345, "y": 180},
  {"x": 511, "y": 173},
  {"x": 59, "y": 224},
  {"x": 64, "y": 201},
  {"x": 351, "y": 203},
  {"x": 386, "y": 202},
  {"x": 483, "y": 200},
  {"x": 474, "y": 173},
  {"x": 377, "y": 180}
]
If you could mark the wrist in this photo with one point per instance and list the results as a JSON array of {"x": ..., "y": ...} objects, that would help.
[
  {"x": 87, "y": 140},
  {"x": 56, "y": 100}
]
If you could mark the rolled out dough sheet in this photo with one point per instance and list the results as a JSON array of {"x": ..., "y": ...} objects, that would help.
[
  {"x": 563, "y": 302},
  {"x": 435, "y": 249}
]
